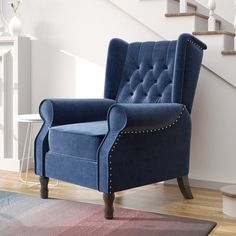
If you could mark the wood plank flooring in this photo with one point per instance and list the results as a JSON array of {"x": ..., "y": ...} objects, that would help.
[{"x": 159, "y": 198}]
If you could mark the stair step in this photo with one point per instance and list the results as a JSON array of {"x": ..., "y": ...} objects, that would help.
[
  {"x": 174, "y": 6},
  {"x": 189, "y": 14},
  {"x": 228, "y": 53},
  {"x": 218, "y": 32},
  {"x": 189, "y": 4}
]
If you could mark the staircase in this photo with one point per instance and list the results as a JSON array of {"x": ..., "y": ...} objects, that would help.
[
  {"x": 169, "y": 18},
  {"x": 214, "y": 113}
]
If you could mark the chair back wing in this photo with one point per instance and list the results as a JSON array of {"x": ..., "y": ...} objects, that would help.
[
  {"x": 154, "y": 72},
  {"x": 188, "y": 60}
]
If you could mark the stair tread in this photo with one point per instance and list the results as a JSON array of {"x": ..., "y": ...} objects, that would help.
[
  {"x": 189, "y": 4},
  {"x": 218, "y": 32},
  {"x": 189, "y": 14},
  {"x": 230, "y": 53}
]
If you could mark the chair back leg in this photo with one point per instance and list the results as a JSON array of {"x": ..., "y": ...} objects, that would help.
[{"x": 184, "y": 187}]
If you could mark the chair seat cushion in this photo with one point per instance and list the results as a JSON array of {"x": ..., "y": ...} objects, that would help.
[{"x": 80, "y": 140}]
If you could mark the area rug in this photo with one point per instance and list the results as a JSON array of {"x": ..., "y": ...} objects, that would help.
[{"x": 22, "y": 215}]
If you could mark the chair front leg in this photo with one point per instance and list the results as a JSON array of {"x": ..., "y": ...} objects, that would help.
[
  {"x": 44, "y": 187},
  {"x": 109, "y": 209},
  {"x": 184, "y": 187}
]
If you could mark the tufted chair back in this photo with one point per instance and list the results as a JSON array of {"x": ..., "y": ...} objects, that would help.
[{"x": 153, "y": 72}]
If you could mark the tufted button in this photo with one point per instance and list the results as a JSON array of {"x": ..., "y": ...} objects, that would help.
[
  {"x": 128, "y": 80},
  {"x": 145, "y": 94},
  {"x": 141, "y": 80},
  {"x": 131, "y": 93},
  {"x": 138, "y": 67},
  {"x": 166, "y": 67},
  {"x": 151, "y": 67}
]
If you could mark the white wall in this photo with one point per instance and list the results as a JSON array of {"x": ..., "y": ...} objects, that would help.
[
  {"x": 69, "y": 35},
  {"x": 224, "y": 8},
  {"x": 213, "y": 150}
]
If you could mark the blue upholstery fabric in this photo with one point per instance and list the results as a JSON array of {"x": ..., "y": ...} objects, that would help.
[
  {"x": 139, "y": 133},
  {"x": 148, "y": 73},
  {"x": 56, "y": 112},
  {"x": 75, "y": 137},
  {"x": 164, "y": 128},
  {"x": 154, "y": 72},
  {"x": 82, "y": 171}
]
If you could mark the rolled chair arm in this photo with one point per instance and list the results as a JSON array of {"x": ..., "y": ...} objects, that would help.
[
  {"x": 67, "y": 111},
  {"x": 139, "y": 117}
]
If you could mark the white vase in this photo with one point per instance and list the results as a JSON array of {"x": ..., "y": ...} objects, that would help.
[{"x": 15, "y": 26}]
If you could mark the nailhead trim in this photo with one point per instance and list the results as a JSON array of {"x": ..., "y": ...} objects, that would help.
[
  {"x": 135, "y": 132},
  {"x": 194, "y": 43}
]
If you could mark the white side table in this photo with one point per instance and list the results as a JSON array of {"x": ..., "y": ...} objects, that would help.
[{"x": 29, "y": 119}]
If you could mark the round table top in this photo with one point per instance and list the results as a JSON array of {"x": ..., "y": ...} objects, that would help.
[
  {"x": 29, "y": 118},
  {"x": 229, "y": 190}
]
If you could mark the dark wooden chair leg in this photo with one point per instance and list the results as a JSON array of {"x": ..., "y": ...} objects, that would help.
[
  {"x": 44, "y": 187},
  {"x": 184, "y": 187},
  {"x": 108, "y": 200}
]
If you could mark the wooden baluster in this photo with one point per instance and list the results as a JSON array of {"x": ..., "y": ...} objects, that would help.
[
  {"x": 183, "y": 7},
  {"x": 212, "y": 19},
  {"x": 235, "y": 25}
]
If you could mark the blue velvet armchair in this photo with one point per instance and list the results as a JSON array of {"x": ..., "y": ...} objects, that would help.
[{"x": 138, "y": 134}]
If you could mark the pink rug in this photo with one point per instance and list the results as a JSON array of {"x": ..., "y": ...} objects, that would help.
[{"x": 22, "y": 215}]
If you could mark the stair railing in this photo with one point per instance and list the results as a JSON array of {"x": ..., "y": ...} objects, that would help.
[
  {"x": 212, "y": 19},
  {"x": 183, "y": 6}
]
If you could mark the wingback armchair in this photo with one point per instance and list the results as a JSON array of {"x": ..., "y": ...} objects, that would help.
[{"x": 138, "y": 134}]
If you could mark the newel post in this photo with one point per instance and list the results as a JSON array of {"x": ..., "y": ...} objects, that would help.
[
  {"x": 183, "y": 6},
  {"x": 212, "y": 19}
]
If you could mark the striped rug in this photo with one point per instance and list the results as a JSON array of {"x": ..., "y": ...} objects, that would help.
[{"x": 22, "y": 215}]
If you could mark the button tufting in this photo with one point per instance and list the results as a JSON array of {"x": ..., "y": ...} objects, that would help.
[
  {"x": 145, "y": 94},
  {"x": 131, "y": 93},
  {"x": 138, "y": 67}
]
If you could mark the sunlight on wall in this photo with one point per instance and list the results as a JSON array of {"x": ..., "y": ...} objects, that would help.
[{"x": 89, "y": 78}]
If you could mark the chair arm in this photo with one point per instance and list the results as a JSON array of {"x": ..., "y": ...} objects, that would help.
[
  {"x": 67, "y": 111},
  {"x": 139, "y": 117},
  {"x": 156, "y": 137}
]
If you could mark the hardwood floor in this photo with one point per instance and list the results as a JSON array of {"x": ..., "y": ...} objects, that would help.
[{"x": 155, "y": 198}]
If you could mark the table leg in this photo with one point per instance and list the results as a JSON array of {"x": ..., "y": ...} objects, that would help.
[
  {"x": 24, "y": 153},
  {"x": 28, "y": 141}
]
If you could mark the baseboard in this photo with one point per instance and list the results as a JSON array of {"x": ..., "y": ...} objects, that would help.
[
  {"x": 9, "y": 164},
  {"x": 14, "y": 165},
  {"x": 196, "y": 183}
]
